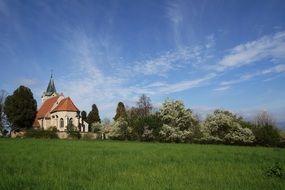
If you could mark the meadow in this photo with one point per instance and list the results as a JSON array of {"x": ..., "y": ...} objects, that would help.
[{"x": 78, "y": 164}]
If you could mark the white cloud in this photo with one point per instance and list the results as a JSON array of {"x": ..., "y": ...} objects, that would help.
[
  {"x": 272, "y": 70},
  {"x": 276, "y": 69},
  {"x": 164, "y": 63},
  {"x": 86, "y": 83},
  {"x": 210, "y": 41},
  {"x": 272, "y": 46},
  {"x": 223, "y": 88},
  {"x": 175, "y": 16}
]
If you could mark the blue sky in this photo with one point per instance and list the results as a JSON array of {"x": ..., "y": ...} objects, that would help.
[{"x": 210, "y": 54}]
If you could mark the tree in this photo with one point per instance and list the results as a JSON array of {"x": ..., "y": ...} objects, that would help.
[
  {"x": 93, "y": 115},
  {"x": 178, "y": 122},
  {"x": 265, "y": 130},
  {"x": 96, "y": 127},
  {"x": 224, "y": 126},
  {"x": 3, "y": 95},
  {"x": 264, "y": 118},
  {"x": 21, "y": 108},
  {"x": 120, "y": 112},
  {"x": 144, "y": 105},
  {"x": 120, "y": 130},
  {"x": 83, "y": 117}
]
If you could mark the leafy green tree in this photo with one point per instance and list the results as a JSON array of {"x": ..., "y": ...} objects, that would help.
[
  {"x": 265, "y": 130},
  {"x": 93, "y": 115},
  {"x": 120, "y": 112},
  {"x": 21, "y": 108}
]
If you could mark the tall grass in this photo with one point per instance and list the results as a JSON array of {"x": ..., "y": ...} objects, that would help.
[{"x": 73, "y": 164}]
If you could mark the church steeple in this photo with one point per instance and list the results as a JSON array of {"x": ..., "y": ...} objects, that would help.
[
  {"x": 51, "y": 91},
  {"x": 51, "y": 87}
]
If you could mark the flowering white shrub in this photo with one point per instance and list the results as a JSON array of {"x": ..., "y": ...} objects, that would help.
[
  {"x": 96, "y": 127},
  {"x": 178, "y": 122},
  {"x": 240, "y": 136},
  {"x": 148, "y": 134},
  {"x": 225, "y": 126},
  {"x": 119, "y": 129}
]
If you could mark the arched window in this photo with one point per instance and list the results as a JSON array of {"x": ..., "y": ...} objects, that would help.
[
  {"x": 61, "y": 123},
  {"x": 70, "y": 121}
]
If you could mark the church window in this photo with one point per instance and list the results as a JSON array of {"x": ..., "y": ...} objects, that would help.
[{"x": 61, "y": 123}]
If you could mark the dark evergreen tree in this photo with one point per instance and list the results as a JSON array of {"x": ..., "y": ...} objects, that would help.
[
  {"x": 93, "y": 115},
  {"x": 120, "y": 112},
  {"x": 21, "y": 108},
  {"x": 83, "y": 116}
]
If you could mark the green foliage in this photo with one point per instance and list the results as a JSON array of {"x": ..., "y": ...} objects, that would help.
[
  {"x": 274, "y": 171},
  {"x": 21, "y": 108},
  {"x": 84, "y": 115},
  {"x": 96, "y": 127},
  {"x": 41, "y": 134},
  {"x": 120, "y": 112},
  {"x": 72, "y": 164},
  {"x": 142, "y": 124},
  {"x": 93, "y": 115},
  {"x": 120, "y": 130},
  {"x": 266, "y": 135},
  {"x": 73, "y": 132}
]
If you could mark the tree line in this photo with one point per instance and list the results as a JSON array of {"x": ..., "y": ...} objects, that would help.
[{"x": 172, "y": 122}]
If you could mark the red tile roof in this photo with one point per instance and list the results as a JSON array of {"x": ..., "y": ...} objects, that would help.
[
  {"x": 65, "y": 105},
  {"x": 46, "y": 107}
]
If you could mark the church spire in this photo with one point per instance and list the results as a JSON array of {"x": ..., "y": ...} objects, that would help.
[{"x": 51, "y": 87}]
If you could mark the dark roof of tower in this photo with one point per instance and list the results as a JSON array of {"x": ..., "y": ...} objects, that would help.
[{"x": 51, "y": 87}]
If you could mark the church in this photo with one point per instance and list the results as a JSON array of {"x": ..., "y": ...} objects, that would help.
[{"x": 58, "y": 111}]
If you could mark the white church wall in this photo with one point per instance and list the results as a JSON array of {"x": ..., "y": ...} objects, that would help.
[{"x": 66, "y": 116}]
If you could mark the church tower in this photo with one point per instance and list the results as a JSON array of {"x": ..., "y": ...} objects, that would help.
[{"x": 51, "y": 91}]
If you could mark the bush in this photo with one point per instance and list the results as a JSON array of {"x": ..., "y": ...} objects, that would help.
[
  {"x": 143, "y": 125},
  {"x": 239, "y": 135},
  {"x": 225, "y": 126},
  {"x": 120, "y": 130},
  {"x": 39, "y": 134},
  {"x": 267, "y": 135},
  {"x": 173, "y": 134},
  {"x": 147, "y": 134},
  {"x": 73, "y": 132},
  {"x": 274, "y": 171},
  {"x": 96, "y": 127},
  {"x": 179, "y": 125}
]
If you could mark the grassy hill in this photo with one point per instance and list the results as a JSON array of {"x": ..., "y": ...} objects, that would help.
[{"x": 71, "y": 164}]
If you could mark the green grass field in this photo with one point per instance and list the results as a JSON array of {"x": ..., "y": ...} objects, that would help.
[{"x": 73, "y": 164}]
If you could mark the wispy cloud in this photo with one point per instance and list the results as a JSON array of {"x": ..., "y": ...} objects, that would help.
[
  {"x": 175, "y": 16},
  {"x": 272, "y": 46},
  {"x": 164, "y": 63},
  {"x": 223, "y": 88},
  {"x": 275, "y": 69},
  {"x": 177, "y": 59}
]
